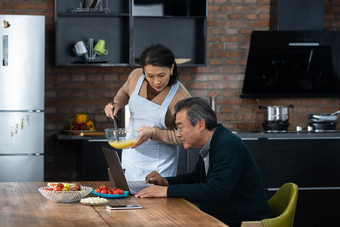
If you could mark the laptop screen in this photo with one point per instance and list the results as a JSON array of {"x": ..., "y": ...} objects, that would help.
[{"x": 115, "y": 170}]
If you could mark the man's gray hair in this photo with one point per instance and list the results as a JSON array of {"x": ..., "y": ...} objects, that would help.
[{"x": 198, "y": 108}]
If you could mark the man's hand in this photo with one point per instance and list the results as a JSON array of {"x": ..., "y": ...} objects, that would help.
[
  {"x": 155, "y": 178},
  {"x": 153, "y": 191}
]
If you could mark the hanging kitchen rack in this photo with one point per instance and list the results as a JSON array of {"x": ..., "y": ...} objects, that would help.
[{"x": 91, "y": 6}]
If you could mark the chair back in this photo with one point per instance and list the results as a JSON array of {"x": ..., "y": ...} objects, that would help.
[{"x": 282, "y": 207}]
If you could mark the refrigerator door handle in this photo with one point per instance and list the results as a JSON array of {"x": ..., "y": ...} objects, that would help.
[{"x": 5, "y": 50}]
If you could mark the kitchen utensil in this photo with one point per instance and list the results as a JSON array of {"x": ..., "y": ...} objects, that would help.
[
  {"x": 323, "y": 117},
  {"x": 65, "y": 196},
  {"x": 335, "y": 113},
  {"x": 182, "y": 60},
  {"x": 91, "y": 54},
  {"x": 99, "y": 48},
  {"x": 276, "y": 113},
  {"x": 324, "y": 126},
  {"x": 114, "y": 121},
  {"x": 80, "y": 49},
  {"x": 111, "y": 196},
  {"x": 115, "y": 126},
  {"x": 121, "y": 138}
]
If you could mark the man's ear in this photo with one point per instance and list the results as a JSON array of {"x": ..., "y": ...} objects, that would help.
[{"x": 201, "y": 123}]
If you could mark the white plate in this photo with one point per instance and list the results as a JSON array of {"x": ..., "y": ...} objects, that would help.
[
  {"x": 94, "y": 201},
  {"x": 182, "y": 60}
]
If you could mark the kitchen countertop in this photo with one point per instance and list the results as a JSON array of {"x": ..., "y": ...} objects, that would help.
[
  {"x": 288, "y": 135},
  {"x": 243, "y": 135},
  {"x": 77, "y": 137}
]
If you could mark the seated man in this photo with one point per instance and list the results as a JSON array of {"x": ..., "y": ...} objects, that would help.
[{"x": 226, "y": 182}]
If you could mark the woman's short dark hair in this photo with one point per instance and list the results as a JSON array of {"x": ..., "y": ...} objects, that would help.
[
  {"x": 198, "y": 108},
  {"x": 159, "y": 55}
]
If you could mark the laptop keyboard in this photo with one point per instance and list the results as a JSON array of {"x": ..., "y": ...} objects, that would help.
[{"x": 136, "y": 186}]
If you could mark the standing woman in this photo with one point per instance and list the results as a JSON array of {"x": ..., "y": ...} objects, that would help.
[{"x": 151, "y": 93}]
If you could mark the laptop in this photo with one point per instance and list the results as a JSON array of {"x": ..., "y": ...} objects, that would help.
[{"x": 117, "y": 176}]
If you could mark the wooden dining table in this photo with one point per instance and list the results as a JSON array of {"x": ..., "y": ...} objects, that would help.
[{"x": 21, "y": 204}]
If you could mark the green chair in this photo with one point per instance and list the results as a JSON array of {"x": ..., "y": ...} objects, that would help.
[{"x": 282, "y": 208}]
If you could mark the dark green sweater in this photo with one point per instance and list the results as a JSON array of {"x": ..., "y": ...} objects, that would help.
[{"x": 232, "y": 190}]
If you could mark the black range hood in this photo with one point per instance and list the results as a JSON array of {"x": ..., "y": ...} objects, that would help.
[{"x": 293, "y": 64}]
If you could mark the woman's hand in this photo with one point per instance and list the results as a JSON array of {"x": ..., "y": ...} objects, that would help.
[
  {"x": 145, "y": 133},
  {"x": 108, "y": 110}
]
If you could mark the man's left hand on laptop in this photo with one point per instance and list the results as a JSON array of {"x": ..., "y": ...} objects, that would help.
[{"x": 153, "y": 191}]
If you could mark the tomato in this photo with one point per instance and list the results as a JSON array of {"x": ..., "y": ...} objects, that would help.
[
  {"x": 105, "y": 190},
  {"x": 103, "y": 186},
  {"x": 120, "y": 191}
]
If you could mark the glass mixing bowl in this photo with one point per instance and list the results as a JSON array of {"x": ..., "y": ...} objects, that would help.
[{"x": 121, "y": 138}]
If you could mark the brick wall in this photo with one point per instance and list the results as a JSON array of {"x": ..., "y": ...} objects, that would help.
[{"x": 70, "y": 90}]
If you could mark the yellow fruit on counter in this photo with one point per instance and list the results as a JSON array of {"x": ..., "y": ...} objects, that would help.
[
  {"x": 122, "y": 144},
  {"x": 90, "y": 124},
  {"x": 81, "y": 118}
]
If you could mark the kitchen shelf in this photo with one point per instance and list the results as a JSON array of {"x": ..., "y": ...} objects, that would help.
[
  {"x": 93, "y": 14},
  {"x": 167, "y": 30},
  {"x": 69, "y": 31},
  {"x": 129, "y": 26}
]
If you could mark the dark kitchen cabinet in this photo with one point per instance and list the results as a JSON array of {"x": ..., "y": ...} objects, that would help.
[
  {"x": 311, "y": 161},
  {"x": 313, "y": 164},
  {"x": 128, "y": 26},
  {"x": 94, "y": 166}
]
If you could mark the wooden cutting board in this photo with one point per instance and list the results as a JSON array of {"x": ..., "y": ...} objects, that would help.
[
  {"x": 85, "y": 133},
  {"x": 92, "y": 134}
]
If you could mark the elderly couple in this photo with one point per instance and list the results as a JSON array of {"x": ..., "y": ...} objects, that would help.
[{"x": 225, "y": 183}]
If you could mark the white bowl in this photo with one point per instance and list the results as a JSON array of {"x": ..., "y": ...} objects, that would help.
[
  {"x": 121, "y": 138},
  {"x": 65, "y": 196}
]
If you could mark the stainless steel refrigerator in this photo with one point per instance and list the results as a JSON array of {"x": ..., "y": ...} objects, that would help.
[{"x": 22, "y": 85}]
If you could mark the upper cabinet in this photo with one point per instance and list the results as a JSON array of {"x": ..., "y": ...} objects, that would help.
[{"x": 115, "y": 32}]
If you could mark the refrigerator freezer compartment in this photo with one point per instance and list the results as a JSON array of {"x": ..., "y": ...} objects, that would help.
[
  {"x": 21, "y": 132},
  {"x": 25, "y": 168},
  {"x": 22, "y": 52}
]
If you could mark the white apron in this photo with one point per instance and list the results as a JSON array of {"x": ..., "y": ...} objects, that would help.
[{"x": 151, "y": 155}]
